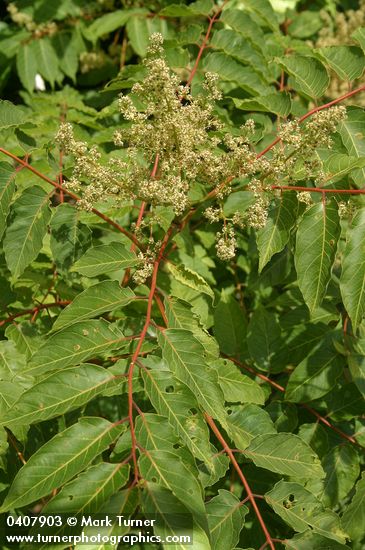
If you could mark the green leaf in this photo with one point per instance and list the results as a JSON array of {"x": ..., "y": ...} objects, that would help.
[
  {"x": 88, "y": 491},
  {"x": 110, "y": 22},
  {"x": 27, "y": 64},
  {"x": 190, "y": 278},
  {"x": 200, "y": 7},
  {"x": 184, "y": 355},
  {"x": 75, "y": 387},
  {"x": 235, "y": 45},
  {"x": 275, "y": 235},
  {"x": 316, "y": 244},
  {"x": 169, "y": 470},
  {"x": 236, "y": 386},
  {"x": 309, "y": 76},
  {"x": 47, "y": 61},
  {"x": 356, "y": 362},
  {"x": 316, "y": 375},
  {"x": 226, "y": 517},
  {"x": 305, "y": 24},
  {"x": 75, "y": 344},
  {"x": 173, "y": 400},
  {"x": 139, "y": 30},
  {"x": 353, "y": 519},
  {"x": 60, "y": 459},
  {"x": 11, "y": 115},
  {"x": 104, "y": 259},
  {"x": 27, "y": 228},
  {"x": 25, "y": 336},
  {"x": 233, "y": 71},
  {"x": 244, "y": 24},
  {"x": 92, "y": 302},
  {"x": 180, "y": 315},
  {"x": 172, "y": 518},
  {"x": 352, "y": 134},
  {"x": 342, "y": 469},
  {"x": 352, "y": 282},
  {"x": 246, "y": 422},
  {"x": 67, "y": 48},
  {"x": 230, "y": 326},
  {"x": 263, "y": 9},
  {"x": 263, "y": 337},
  {"x": 7, "y": 188},
  {"x": 69, "y": 238},
  {"x": 303, "y": 511},
  {"x": 359, "y": 36},
  {"x": 312, "y": 541},
  {"x": 347, "y": 61},
  {"x": 286, "y": 454},
  {"x": 278, "y": 103},
  {"x": 337, "y": 165}
]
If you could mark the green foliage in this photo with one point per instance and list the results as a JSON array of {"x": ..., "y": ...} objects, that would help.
[{"x": 183, "y": 269}]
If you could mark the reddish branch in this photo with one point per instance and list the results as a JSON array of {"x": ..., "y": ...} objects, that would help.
[
  {"x": 212, "y": 20},
  {"x": 139, "y": 346},
  {"x": 55, "y": 184},
  {"x": 312, "y": 411},
  {"x": 34, "y": 310},
  {"x": 250, "y": 495},
  {"x": 312, "y": 112},
  {"x": 319, "y": 190},
  {"x": 140, "y": 218}
]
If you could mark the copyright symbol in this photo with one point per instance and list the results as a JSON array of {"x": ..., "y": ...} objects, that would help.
[{"x": 72, "y": 521}]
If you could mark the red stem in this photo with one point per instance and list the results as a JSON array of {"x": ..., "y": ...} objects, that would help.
[
  {"x": 138, "y": 349},
  {"x": 205, "y": 42},
  {"x": 319, "y": 190},
  {"x": 34, "y": 310},
  {"x": 313, "y": 411},
  {"x": 72, "y": 195},
  {"x": 235, "y": 464},
  {"x": 311, "y": 112}
]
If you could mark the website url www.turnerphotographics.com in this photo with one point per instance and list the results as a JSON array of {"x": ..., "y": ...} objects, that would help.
[{"x": 96, "y": 529}]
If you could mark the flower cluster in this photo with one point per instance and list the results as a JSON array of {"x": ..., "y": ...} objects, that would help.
[
  {"x": 173, "y": 141},
  {"x": 92, "y": 60},
  {"x": 25, "y": 20},
  {"x": 337, "y": 30}
]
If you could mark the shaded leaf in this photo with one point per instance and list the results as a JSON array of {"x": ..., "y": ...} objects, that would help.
[
  {"x": 7, "y": 188},
  {"x": 263, "y": 337},
  {"x": 316, "y": 375},
  {"x": 342, "y": 469},
  {"x": 352, "y": 281},
  {"x": 353, "y": 519},
  {"x": 69, "y": 238},
  {"x": 272, "y": 238}
]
